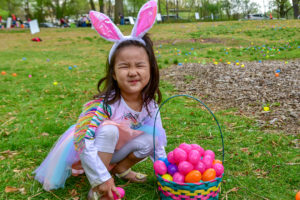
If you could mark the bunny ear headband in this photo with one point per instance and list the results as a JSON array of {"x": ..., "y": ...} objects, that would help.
[{"x": 109, "y": 31}]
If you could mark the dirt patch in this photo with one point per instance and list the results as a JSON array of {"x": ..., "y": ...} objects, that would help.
[
  {"x": 198, "y": 40},
  {"x": 249, "y": 88}
]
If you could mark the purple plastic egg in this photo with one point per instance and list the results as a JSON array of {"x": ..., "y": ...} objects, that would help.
[
  {"x": 209, "y": 152},
  {"x": 178, "y": 178},
  {"x": 219, "y": 169},
  {"x": 185, "y": 167},
  {"x": 194, "y": 157},
  {"x": 160, "y": 167},
  {"x": 200, "y": 166},
  {"x": 207, "y": 160},
  {"x": 172, "y": 169},
  {"x": 186, "y": 147},
  {"x": 170, "y": 157},
  {"x": 179, "y": 155}
]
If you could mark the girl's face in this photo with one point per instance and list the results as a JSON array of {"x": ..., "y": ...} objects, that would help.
[{"x": 132, "y": 70}]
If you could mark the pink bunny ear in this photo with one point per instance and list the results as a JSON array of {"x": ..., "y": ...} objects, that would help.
[
  {"x": 105, "y": 27},
  {"x": 145, "y": 20}
]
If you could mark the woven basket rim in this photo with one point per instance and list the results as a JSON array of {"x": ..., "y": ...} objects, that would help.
[{"x": 191, "y": 184}]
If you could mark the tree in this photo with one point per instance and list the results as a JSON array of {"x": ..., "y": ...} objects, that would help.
[
  {"x": 159, "y": 6},
  {"x": 282, "y": 7},
  {"x": 92, "y": 5},
  {"x": 101, "y": 6},
  {"x": 226, "y": 6},
  {"x": 119, "y": 10},
  {"x": 296, "y": 8}
]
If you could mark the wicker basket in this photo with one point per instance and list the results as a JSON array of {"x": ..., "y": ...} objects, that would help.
[{"x": 189, "y": 191}]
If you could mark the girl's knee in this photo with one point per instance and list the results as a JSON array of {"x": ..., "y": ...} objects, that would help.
[
  {"x": 106, "y": 138},
  {"x": 145, "y": 146},
  {"x": 108, "y": 132}
]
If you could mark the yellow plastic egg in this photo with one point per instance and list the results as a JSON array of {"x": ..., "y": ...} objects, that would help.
[{"x": 167, "y": 177}]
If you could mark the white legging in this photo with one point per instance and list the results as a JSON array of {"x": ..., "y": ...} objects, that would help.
[{"x": 106, "y": 139}]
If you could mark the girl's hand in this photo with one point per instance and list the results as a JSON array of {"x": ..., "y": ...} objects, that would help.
[{"x": 105, "y": 189}]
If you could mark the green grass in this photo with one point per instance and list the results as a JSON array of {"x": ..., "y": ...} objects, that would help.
[{"x": 257, "y": 163}]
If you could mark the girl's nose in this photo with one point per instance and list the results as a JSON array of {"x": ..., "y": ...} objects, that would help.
[{"x": 132, "y": 71}]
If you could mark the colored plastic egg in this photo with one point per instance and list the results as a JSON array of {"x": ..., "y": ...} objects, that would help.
[
  {"x": 217, "y": 161},
  {"x": 165, "y": 160},
  {"x": 210, "y": 152},
  {"x": 207, "y": 160},
  {"x": 193, "y": 176},
  {"x": 170, "y": 157},
  {"x": 167, "y": 177},
  {"x": 200, "y": 166},
  {"x": 219, "y": 169},
  {"x": 121, "y": 192},
  {"x": 179, "y": 155},
  {"x": 185, "y": 167},
  {"x": 208, "y": 175},
  {"x": 186, "y": 147},
  {"x": 160, "y": 167},
  {"x": 194, "y": 156},
  {"x": 178, "y": 178},
  {"x": 172, "y": 169},
  {"x": 297, "y": 197}
]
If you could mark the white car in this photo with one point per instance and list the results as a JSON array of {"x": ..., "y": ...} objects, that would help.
[{"x": 256, "y": 17}]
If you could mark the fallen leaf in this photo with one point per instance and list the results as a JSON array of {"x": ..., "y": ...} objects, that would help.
[
  {"x": 246, "y": 150},
  {"x": 9, "y": 189},
  {"x": 45, "y": 134}
]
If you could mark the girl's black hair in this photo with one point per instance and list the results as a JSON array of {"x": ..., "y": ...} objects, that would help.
[{"x": 108, "y": 87}]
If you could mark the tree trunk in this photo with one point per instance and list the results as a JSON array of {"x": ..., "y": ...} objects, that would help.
[
  {"x": 109, "y": 8},
  {"x": 296, "y": 8},
  {"x": 177, "y": 9},
  {"x": 92, "y": 5},
  {"x": 159, "y": 7},
  {"x": 118, "y": 10},
  {"x": 101, "y": 6},
  {"x": 9, "y": 8},
  {"x": 27, "y": 13},
  {"x": 167, "y": 9}
]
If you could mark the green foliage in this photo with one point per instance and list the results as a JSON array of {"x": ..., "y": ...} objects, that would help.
[{"x": 35, "y": 112}]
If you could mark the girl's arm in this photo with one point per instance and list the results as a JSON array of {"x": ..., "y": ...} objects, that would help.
[{"x": 94, "y": 168}]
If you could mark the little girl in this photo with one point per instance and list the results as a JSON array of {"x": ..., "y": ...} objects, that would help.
[{"x": 115, "y": 130}]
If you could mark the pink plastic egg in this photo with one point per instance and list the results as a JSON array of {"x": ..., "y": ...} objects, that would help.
[
  {"x": 121, "y": 192},
  {"x": 219, "y": 169},
  {"x": 186, "y": 147},
  {"x": 194, "y": 157},
  {"x": 160, "y": 167},
  {"x": 170, "y": 157},
  {"x": 179, "y": 155},
  {"x": 210, "y": 152},
  {"x": 178, "y": 178},
  {"x": 185, "y": 167},
  {"x": 200, "y": 166},
  {"x": 207, "y": 160}
]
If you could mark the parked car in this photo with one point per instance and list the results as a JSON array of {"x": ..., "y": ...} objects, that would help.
[
  {"x": 171, "y": 17},
  {"x": 127, "y": 21},
  {"x": 47, "y": 25},
  {"x": 256, "y": 17}
]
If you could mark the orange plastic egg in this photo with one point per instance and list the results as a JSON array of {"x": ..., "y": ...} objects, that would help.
[
  {"x": 297, "y": 196},
  {"x": 193, "y": 176},
  {"x": 209, "y": 174},
  {"x": 217, "y": 161}
]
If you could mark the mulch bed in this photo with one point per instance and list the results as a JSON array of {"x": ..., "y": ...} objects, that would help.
[{"x": 249, "y": 88}]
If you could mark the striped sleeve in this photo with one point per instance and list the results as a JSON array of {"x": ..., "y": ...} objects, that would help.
[{"x": 90, "y": 118}]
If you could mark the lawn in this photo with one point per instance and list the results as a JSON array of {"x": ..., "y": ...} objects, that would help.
[{"x": 55, "y": 77}]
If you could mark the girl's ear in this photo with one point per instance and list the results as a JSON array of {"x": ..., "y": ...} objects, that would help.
[
  {"x": 145, "y": 19},
  {"x": 105, "y": 27}
]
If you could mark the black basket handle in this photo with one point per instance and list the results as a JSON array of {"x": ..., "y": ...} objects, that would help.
[{"x": 184, "y": 95}]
